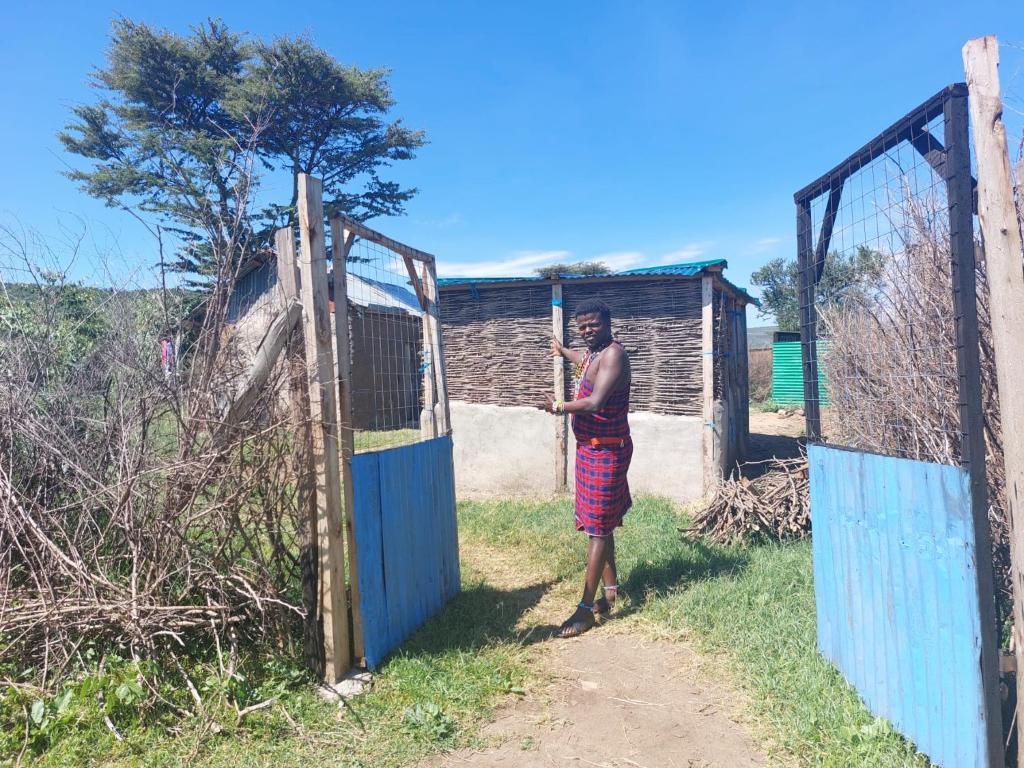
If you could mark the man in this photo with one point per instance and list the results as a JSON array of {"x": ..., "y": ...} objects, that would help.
[{"x": 599, "y": 412}]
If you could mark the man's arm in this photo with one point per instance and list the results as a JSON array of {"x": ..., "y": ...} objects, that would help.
[
  {"x": 609, "y": 374},
  {"x": 558, "y": 349}
]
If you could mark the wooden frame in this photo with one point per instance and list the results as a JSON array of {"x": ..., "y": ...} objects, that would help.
[
  {"x": 323, "y": 402},
  {"x": 1001, "y": 231},
  {"x": 952, "y": 162}
]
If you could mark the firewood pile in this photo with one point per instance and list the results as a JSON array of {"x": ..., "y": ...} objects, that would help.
[{"x": 775, "y": 505}]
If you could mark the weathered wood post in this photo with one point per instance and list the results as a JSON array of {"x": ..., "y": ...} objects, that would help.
[
  {"x": 1003, "y": 259},
  {"x": 433, "y": 320},
  {"x": 561, "y": 447},
  {"x": 324, "y": 416},
  {"x": 313, "y": 635},
  {"x": 341, "y": 244},
  {"x": 708, "y": 375}
]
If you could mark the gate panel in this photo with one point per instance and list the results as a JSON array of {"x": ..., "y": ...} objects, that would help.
[
  {"x": 408, "y": 543},
  {"x": 895, "y": 572}
]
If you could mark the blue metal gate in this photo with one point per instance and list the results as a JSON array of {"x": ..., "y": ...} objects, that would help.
[
  {"x": 902, "y": 547},
  {"x": 408, "y": 543}
]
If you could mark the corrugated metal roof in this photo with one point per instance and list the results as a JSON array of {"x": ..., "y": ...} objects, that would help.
[{"x": 689, "y": 269}]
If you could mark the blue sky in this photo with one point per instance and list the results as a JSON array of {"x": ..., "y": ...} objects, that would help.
[{"x": 633, "y": 133}]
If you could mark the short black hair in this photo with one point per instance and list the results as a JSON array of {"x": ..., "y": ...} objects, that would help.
[{"x": 594, "y": 307}]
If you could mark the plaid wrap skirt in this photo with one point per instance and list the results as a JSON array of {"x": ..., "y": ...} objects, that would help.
[{"x": 602, "y": 491}]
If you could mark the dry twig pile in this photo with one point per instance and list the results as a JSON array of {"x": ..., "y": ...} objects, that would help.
[{"x": 775, "y": 505}]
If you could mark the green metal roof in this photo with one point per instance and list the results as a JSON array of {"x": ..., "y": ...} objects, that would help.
[{"x": 688, "y": 269}]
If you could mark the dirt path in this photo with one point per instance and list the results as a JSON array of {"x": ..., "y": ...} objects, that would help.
[{"x": 615, "y": 699}]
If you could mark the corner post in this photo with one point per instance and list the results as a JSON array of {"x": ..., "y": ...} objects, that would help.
[{"x": 323, "y": 413}]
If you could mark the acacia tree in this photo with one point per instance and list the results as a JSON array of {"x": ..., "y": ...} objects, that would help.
[
  {"x": 185, "y": 127},
  {"x": 841, "y": 277}
]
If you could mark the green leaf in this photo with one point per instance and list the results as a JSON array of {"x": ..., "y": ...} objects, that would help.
[{"x": 38, "y": 711}]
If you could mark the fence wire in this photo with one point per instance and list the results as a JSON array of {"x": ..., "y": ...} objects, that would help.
[
  {"x": 388, "y": 356},
  {"x": 883, "y": 299}
]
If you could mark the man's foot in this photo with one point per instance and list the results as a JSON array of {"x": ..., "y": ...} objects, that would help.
[
  {"x": 578, "y": 623},
  {"x": 604, "y": 605}
]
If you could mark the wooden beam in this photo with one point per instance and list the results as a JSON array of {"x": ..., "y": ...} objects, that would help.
[
  {"x": 414, "y": 279},
  {"x": 707, "y": 295},
  {"x": 558, "y": 363},
  {"x": 324, "y": 414},
  {"x": 341, "y": 245},
  {"x": 363, "y": 231},
  {"x": 305, "y": 478},
  {"x": 428, "y": 416},
  {"x": 432, "y": 327},
  {"x": 1003, "y": 259},
  {"x": 825, "y": 234},
  {"x": 266, "y": 355}
]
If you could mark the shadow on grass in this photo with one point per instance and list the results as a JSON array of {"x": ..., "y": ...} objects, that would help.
[
  {"x": 697, "y": 562},
  {"x": 480, "y": 616}
]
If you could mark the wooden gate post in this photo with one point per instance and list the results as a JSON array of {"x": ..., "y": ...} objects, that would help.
[
  {"x": 312, "y": 636},
  {"x": 708, "y": 375},
  {"x": 432, "y": 319},
  {"x": 324, "y": 415},
  {"x": 1003, "y": 259},
  {"x": 561, "y": 448},
  {"x": 341, "y": 244}
]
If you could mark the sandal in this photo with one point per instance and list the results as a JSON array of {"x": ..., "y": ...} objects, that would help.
[{"x": 573, "y": 626}]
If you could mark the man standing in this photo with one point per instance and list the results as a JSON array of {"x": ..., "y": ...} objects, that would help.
[{"x": 599, "y": 413}]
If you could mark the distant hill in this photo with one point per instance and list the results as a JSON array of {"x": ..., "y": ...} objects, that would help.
[{"x": 760, "y": 338}]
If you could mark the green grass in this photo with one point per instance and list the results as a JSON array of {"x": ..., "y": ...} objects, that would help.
[
  {"x": 750, "y": 608},
  {"x": 378, "y": 440},
  {"x": 433, "y": 695}
]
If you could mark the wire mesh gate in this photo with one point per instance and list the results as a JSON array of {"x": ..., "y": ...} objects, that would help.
[
  {"x": 381, "y": 490},
  {"x": 902, "y": 552}
]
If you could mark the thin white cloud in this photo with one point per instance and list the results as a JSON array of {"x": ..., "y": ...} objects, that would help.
[
  {"x": 764, "y": 245},
  {"x": 620, "y": 260},
  {"x": 520, "y": 264},
  {"x": 688, "y": 252}
]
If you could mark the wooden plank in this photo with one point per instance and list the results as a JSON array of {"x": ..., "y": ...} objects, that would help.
[
  {"x": 972, "y": 446},
  {"x": 433, "y": 320},
  {"x": 264, "y": 359},
  {"x": 900, "y": 131},
  {"x": 414, "y": 279},
  {"x": 1003, "y": 253},
  {"x": 342, "y": 240},
  {"x": 808, "y": 321},
  {"x": 428, "y": 416},
  {"x": 312, "y": 636},
  {"x": 324, "y": 415},
  {"x": 561, "y": 427},
  {"x": 363, "y": 231},
  {"x": 707, "y": 295}
]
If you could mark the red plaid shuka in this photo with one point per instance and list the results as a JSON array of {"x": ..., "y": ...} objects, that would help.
[{"x": 602, "y": 491}]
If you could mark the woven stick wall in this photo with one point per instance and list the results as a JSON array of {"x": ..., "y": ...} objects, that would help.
[
  {"x": 497, "y": 344},
  {"x": 497, "y": 339},
  {"x": 659, "y": 323}
]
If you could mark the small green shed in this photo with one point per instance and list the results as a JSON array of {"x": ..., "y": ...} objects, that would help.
[{"x": 788, "y": 371}]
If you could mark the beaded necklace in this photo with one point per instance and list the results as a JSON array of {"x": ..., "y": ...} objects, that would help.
[{"x": 581, "y": 368}]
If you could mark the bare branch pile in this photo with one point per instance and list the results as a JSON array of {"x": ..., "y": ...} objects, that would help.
[
  {"x": 775, "y": 505},
  {"x": 133, "y": 519}
]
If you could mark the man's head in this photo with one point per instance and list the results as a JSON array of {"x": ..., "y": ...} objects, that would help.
[{"x": 594, "y": 323}]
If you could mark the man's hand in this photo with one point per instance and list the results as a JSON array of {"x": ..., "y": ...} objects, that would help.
[
  {"x": 548, "y": 404},
  {"x": 556, "y": 346}
]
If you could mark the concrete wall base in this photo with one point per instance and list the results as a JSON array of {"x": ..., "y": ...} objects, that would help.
[{"x": 511, "y": 451}]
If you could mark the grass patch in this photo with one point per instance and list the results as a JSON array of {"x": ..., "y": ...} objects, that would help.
[
  {"x": 382, "y": 439},
  {"x": 751, "y": 607},
  {"x": 431, "y": 696}
]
